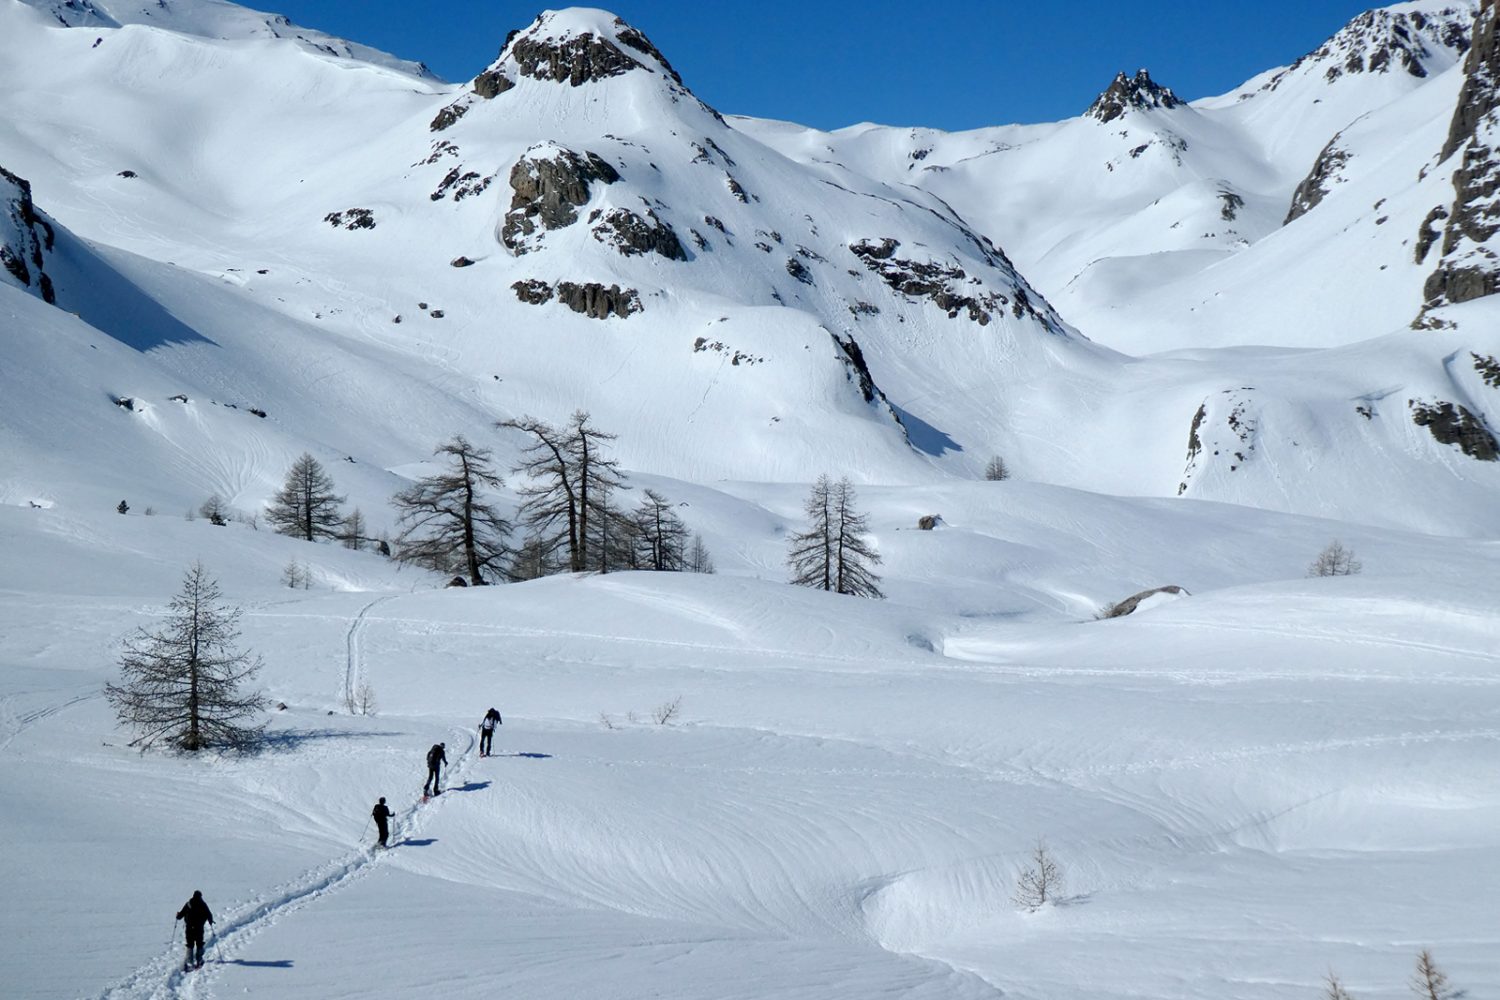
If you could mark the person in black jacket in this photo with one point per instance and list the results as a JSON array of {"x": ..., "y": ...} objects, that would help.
[
  {"x": 382, "y": 817},
  {"x": 194, "y": 914},
  {"x": 436, "y": 758},
  {"x": 487, "y": 731}
]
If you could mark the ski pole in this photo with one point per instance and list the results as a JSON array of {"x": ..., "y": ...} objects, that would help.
[
  {"x": 215, "y": 932},
  {"x": 365, "y": 829},
  {"x": 174, "y": 930}
]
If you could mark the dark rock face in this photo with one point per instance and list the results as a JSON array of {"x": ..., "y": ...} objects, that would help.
[
  {"x": 1429, "y": 233},
  {"x": 1470, "y": 267},
  {"x": 1139, "y": 93},
  {"x": 632, "y": 235},
  {"x": 1488, "y": 369},
  {"x": 548, "y": 193},
  {"x": 577, "y": 60},
  {"x": 634, "y": 39},
  {"x": 946, "y": 285},
  {"x": 449, "y": 116},
  {"x": 592, "y": 299},
  {"x": 1380, "y": 41},
  {"x": 351, "y": 219},
  {"x": 1319, "y": 181},
  {"x": 461, "y": 184},
  {"x": 492, "y": 83},
  {"x": 24, "y": 236},
  {"x": 1456, "y": 425},
  {"x": 461, "y": 262},
  {"x": 798, "y": 270}
]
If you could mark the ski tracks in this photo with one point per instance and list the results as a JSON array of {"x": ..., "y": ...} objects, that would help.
[
  {"x": 353, "y": 655},
  {"x": 162, "y": 978}
]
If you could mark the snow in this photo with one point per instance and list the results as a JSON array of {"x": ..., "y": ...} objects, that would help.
[{"x": 1246, "y": 787}]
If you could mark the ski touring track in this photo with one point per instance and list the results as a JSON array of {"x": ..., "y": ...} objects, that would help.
[
  {"x": 163, "y": 978},
  {"x": 354, "y": 666}
]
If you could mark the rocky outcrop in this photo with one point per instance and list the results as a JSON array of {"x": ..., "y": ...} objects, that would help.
[
  {"x": 1127, "y": 93},
  {"x": 1488, "y": 369},
  {"x": 1453, "y": 424},
  {"x": 548, "y": 190},
  {"x": 1229, "y": 442},
  {"x": 1413, "y": 42},
  {"x": 1319, "y": 181},
  {"x": 459, "y": 184},
  {"x": 947, "y": 286},
  {"x": 25, "y": 238},
  {"x": 632, "y": 235},
  {"x": 1470, "y": 264},
  {"x": 351, "y": 219},
  {"x": 591, "y": 298}
]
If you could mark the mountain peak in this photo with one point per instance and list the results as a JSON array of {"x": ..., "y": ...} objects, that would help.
[
  {"x": 1417, "y": 38},
  {"x": 1125, "y": 93},
  {"x": 576, "y": 45}
]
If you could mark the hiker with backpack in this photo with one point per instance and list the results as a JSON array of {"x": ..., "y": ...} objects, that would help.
[
  {"x": 487, "y": 731},
  {"x": 436, "y": 758},
  {"x": 194, "y": 914}
]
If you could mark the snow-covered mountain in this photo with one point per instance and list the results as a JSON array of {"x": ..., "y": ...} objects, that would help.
[{"x": 1208, "y": 337}]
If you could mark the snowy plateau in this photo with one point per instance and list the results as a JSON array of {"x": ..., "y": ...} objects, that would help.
[{"x": 1208, "y": 338}]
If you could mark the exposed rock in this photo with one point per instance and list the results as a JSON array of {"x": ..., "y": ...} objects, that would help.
[
  {"x": 25, "y": 237},
  {"x": 492, "y": 83},
  {"x": 533, "y": 291},
  {"x": 461, "y": 184},
  {"x": 1122, "y": 608},
  {"x": 351, "y": 219},
  {"x": 635, "y": 40},
  {"x": 1320, "y": 180},
  {"x": 737, "y": 190},
  {"x": 128, "y": 174},
  {"x": 548, "y": 191},
  {"x": 1453, "y": 424},
  {"x": 943, "y": 284},
  {"x": 1470, "y": 265},
  {"x": 735, "y": 357},
  {"x": 1125, "y": 93},
  {"x": 1231, "y": 441},
  {"x": 798, "y": 270},
  {"x": 1488, "y": 369},
  {"x": 1230, "y": 205},
  {"x": 632, "y": 235},
  {"x": 450, "y": 115},
  {"x": 1428, "y": 234},
  {"x": 929, "y": 521},
  {"x": 461, "y": 262},
  {"x": 580, "y": 59},
  {"x": 1379, "y": 41},
  {"x": 592, "y": 299}
]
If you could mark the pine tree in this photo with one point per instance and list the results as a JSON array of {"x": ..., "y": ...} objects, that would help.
[
  {"x": 180, "y": 683},
  {"x": 1431, "y": 982},
  {"x": 698, "y": 560},
  {"x": 306, "y": 506},
  {"x": 833, "y": 554},
  {"x": 1039, "y": 882},
  {"x": 995, "y": 470},
  {"x": 447, "y": 521}
]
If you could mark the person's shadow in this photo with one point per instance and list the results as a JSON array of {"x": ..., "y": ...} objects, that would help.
[
  {"x": 285, "y": 963},
  {"x": 469, "y": 786},
  {"x": 424, "y": 842}
]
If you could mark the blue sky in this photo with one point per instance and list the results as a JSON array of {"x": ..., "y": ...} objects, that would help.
[{"x": 828, "y": 63}]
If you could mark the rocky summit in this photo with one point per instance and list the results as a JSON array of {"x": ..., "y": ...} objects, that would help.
[{"x": 1127, "y": 93}]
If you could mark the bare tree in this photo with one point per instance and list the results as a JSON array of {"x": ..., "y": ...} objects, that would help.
[
  {"x": 1333, "y": 988},
  {"x": 811, "y": 556},
  {"x": 353, "y": 534},
  {"x": 666, "y": 713},
  {"x": 1431, "y": 982},
  {"x": 833, "y": 554},
  {"x": 995, "y": 469},
  {"x": 697, "y": 559},
  {"x": 180, "y": 683},
  {"x": 537, "y": 557},
  {"x": 570, "y": 480},
  {"x": 663, "y": 536},
  {"x": 1040, "y": 882},
  {"x": 1335, "y": 560},
  {"x": 216, "y": 510},
  {"x": 306, "y": 506},
  {"x": 448, "y": 520},
  {"x": 360, "y": 700},
  {"x": 297, "y": 576}
]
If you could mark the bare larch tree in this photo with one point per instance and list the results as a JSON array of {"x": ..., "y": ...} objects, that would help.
[
  {"x": 1431, "y": 982},
  {"x": 1335, "y": 560},
  {"x": 181, "y": 682},
  {"x": 833, "y": 553},
  {"x": 449, "y": 523},
  {"x": 663, "y": 538},
  {"x": 570, "y": 479},
  {"x": 1040, "y": 882},
  {"x": 306, "y": 505}
]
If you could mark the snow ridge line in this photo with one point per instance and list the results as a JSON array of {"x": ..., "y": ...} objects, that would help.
[
  {"x": 353, "y": 657},
  {"x": 162, "y": 978}
]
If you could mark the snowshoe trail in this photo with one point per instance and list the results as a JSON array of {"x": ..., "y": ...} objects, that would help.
[
  {"x": 164, "y": 977},
  {"x": 353, "y": 654}
]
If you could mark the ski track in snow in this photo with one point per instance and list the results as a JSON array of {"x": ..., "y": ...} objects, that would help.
[
  {"x": 354, "y": 658},
  {"x": 163, "y": 978},
  {"x": 14, "y": 725}
]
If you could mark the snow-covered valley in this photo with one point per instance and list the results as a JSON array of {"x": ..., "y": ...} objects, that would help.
[{"x": 229, "y": 242}]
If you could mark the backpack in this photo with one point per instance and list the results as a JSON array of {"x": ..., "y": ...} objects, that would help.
[{"x": 434, "y": 755}]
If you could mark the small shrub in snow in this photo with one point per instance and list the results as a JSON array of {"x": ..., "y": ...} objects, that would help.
[
  {"x": 360, "y": 700},
  {"x": 665, "y": 713},
  {"x": 1333, "y": 989},
  {"x": 149, "y": 512},
  {"x": 1040, "y": 882},
  {"x": 123, "y": 507},
  {"x": 606, "y": 721},
  {"x": 1335, "y": 560},
  {"x": 995, "y": 470}
]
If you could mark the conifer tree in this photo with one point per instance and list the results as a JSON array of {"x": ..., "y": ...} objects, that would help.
[
  {"x": 449, "y": 522},
  {"x": 833, "y": 553},
  {"x": 306, "y": 505},
  {"x": 181, "y": 682}
]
